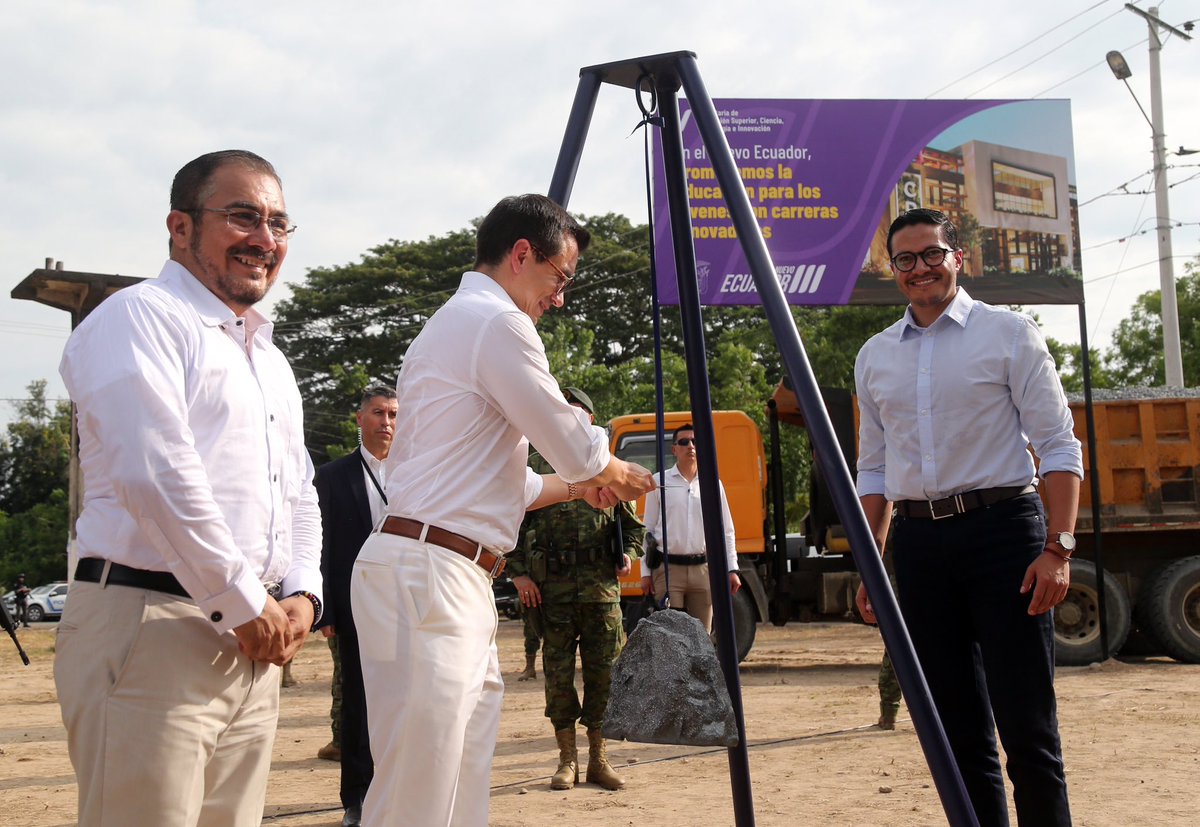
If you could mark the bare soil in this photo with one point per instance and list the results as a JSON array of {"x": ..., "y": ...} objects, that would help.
[{"x": 1131, "y": 735}]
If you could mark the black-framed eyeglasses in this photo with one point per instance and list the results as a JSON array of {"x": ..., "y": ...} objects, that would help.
[
  {"x": 932, "y": 256},
  {"x": 684, "y": 441},
  {"x": 247, "y": 221},
  {"x": 564, "y": 281}
]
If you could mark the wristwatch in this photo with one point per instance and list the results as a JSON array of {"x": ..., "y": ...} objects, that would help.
[{"x": 1064, "y": 540}]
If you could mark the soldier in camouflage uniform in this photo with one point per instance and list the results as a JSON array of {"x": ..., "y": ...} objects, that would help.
[
  {"x": 565, "y": 565},
  {"x": 889, "y": 686},
  {"x": 531, "y": 619}
]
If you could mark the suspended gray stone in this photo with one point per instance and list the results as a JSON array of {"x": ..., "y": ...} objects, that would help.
[{"x": 668, "y": 688}]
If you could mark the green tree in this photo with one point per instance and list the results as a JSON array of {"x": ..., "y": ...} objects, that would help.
[
  {"x": 1069, "y": 358},
  {"x": 1136, "y": 354},
  {"x": 346, "y": 323},
  {"x": 35, "y": 454},
  {"x": 34, "y": 469}
]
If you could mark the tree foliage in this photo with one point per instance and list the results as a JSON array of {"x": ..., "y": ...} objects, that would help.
[
  {"x": 34, "y": 470},
  {"x": 348, "y": 323},
  {"x": 1137, "y": 349}
]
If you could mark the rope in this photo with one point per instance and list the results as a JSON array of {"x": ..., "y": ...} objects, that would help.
[{"x": 650, "y": 117}]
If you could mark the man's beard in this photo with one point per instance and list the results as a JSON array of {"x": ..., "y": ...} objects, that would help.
[{"x": 239, "y": 291}]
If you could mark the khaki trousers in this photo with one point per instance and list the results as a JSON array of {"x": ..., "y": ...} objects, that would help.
[
  {"x": 167, "y": 722},
  {"x": 689, "y": 591},
  {"x": 426, "y": 622}
]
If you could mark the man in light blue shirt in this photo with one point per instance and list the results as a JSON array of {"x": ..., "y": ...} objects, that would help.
[{"x": 950, "y": 397}]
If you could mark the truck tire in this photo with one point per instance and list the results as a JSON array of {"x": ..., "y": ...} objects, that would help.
[
  {"x": 1169, "y": 604},
  {"x": 1077, "y": 618},
  {"x": 745, "y": 622}
]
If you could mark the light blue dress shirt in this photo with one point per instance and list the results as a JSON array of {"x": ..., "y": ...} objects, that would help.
[{"x": 955, "y": 406}]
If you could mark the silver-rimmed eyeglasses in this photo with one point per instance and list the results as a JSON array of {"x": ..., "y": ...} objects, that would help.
[{"x": 247, "y": 221}]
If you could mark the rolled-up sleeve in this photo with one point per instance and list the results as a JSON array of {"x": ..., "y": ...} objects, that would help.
[
  {"x": 872, "y": 448},
  {"x": 1038, "y": 395}
]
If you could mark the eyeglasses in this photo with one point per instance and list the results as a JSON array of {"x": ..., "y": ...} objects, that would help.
[
  {"x": 932, "y": 256},
  {"x": 246, "y": 221},
  {"x": 564, "y": 281},
  {"x": 685, "y": 441}
]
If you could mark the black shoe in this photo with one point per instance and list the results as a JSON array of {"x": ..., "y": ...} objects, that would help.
[{"x": 353, "y": 817}]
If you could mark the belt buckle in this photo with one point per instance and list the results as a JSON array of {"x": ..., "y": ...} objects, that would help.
[
  {"x": 498, "y": 567},
  {"x": 955, "y": 504}
]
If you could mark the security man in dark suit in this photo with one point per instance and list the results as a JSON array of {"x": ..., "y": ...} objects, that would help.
[{"x": 352, "y": 500}]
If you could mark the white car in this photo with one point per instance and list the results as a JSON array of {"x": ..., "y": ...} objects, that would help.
[{"x": 46, "y": 602}]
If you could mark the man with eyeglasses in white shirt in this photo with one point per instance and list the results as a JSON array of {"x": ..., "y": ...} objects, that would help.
[
  {"x": 950, "y": 397},
  {"x": 474, "y": 391},
  {"x": 200, "y": 538},
  {"x": 686, "y": 557}
]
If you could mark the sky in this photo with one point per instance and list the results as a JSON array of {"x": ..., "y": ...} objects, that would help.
[{"x": 407, "y": 120}]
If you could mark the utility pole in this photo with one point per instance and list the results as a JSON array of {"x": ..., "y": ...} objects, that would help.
[{"x": 1172, "y": 356}]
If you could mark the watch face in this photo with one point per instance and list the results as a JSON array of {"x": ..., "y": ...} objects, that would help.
[{"x": 1066, "y": 540}]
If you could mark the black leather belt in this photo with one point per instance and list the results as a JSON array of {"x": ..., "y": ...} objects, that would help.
[
  {"x": 959, "y": 503},
  {"x": 91, "y": 569},
  {"x": 687, "y": 559}
]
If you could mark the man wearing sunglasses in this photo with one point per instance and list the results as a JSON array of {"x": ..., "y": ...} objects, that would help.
[
  {"x": 200, "y": 537},
  {"x": 950, "y": 397},
  {"x": 685, "y": 549},
  {"x": 474, "y": 391}
]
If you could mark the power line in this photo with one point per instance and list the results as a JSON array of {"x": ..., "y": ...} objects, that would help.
[
  {"x": 1045, "y": 55},
  {"x": 1014, "y": 51}
]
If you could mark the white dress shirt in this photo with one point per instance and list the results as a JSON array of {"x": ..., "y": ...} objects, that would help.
[
  {"x": 374, "y": 471},
  {"x": 473, "y": 384},
  {"x": 685, "y": 518},
  {"x": 191, "y": 444},
  {"x": 952, "y": 407}
]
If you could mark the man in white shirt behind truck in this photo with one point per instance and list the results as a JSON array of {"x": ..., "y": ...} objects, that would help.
[
  {"x": 686, "y": 550},
  {"x": 200, "y": 537}
]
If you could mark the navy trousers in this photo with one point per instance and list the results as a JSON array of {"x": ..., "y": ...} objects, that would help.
[{"x": 989, "y": 664}]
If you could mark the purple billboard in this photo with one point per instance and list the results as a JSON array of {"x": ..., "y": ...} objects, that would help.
[{"x": 825, "y": 178}]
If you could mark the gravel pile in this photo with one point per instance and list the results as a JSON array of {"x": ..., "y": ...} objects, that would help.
[{"x": 1138, "y": 392}]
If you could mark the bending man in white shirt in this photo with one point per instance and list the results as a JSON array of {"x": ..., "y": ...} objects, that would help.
[
  {"x": 474, "y": 385},
  {"x": 686, "y": 557},
  {"x": 200, "y": 537}
]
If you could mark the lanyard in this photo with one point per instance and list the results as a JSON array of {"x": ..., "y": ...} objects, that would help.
[{"x": 371, "y": 474}]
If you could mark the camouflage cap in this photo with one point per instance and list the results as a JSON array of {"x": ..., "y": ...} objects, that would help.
[{"x": 577, "y": 397}]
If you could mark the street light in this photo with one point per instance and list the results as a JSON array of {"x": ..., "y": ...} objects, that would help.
[{"x": 1172, "y": 357}]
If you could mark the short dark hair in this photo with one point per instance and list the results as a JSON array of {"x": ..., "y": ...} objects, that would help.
[
  {"x": 535, "y": 218},
  {"x": 373, "y": 391},
  {"x": 687, "y": 426},
  {"x": 921, "y": 215},
  {"x": 188, "y": 188}
]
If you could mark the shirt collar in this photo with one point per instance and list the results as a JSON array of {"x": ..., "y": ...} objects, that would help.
[
  {"x": 476, "y": 281},
  {"x": 374, "y": 463},
  {"x": 212, "y": 311},
  {"x": 958, "y": 311}
]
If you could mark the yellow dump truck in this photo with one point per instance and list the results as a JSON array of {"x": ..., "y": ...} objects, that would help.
[{"x": 1148, "y": 456}]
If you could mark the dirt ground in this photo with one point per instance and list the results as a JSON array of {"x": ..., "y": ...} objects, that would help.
[{"x": 1131, "y": 733}]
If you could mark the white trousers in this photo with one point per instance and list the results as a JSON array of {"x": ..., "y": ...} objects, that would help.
[
  {"x": 167, "y": 722},
  {"x": 427, "y": 623}
]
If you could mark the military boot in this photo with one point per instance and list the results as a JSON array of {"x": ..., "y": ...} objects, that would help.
[
  {"x": 530, "y": 672},
  {"x": 887, "y": 716},
  {"x": 567, "y": 774},
  {"x": 599, "y": 771}
]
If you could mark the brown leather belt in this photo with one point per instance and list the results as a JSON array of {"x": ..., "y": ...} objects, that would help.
[
  {"x": 959, "y": 503},
  {"x": 490, "y": 562}
]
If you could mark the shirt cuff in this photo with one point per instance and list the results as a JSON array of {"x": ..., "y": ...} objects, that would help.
[
  {"x": 869, "y": 482},
  {"x": 237, "y": 605}
]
